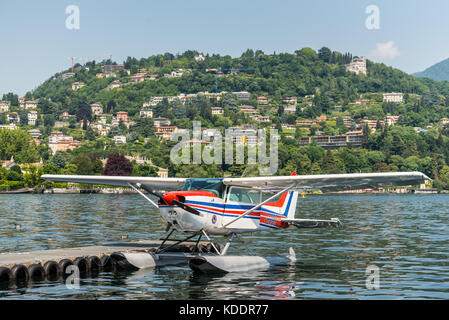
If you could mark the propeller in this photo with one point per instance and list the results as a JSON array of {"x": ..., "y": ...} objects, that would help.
[
  {"x": 186, "y": 207},
  {"x": 174, "y": 201}
]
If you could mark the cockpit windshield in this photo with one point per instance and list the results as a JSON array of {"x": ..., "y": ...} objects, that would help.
[{"x": 214, "y": 185}]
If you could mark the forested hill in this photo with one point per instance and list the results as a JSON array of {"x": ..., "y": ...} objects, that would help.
[
  {"x": 439, "y": 71},
  {"x": 301, "y": 73}
]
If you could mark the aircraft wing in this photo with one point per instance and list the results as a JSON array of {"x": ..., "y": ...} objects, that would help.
[
  {"x": 122, "y": 181},
  {"x": 331, "y": 182}
]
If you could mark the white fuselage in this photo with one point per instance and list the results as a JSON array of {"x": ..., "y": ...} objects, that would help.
[{"x": 216, "y": 213}]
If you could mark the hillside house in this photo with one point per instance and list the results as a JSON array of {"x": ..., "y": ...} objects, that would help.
[
  {"x": 262, "y": 100},
  {"x": 32, "y": 117},
  {"x": 394, "y": 97},
  {"x": 114, "y": 84},
  {"x": 64, "y": 116},
  {"x": 4, "y": 106},
  {"x": 122, "y": 115},
  {"x": 96, "y": 108},
  {"x": 248, "y": 109},
  {"x": 77, "y": 85},
  {"x": 217, "y": 110},
  {"x": 146, "y": 113},
  {"x": 138, "y": 77},
  {"x": 165, "y": 131},
  {"x": 161, "y": 122},
  {"x": 242, "y": 95},
  {"x": 13, "y": 117}
]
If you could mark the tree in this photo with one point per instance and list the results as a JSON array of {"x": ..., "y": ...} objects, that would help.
[
  {"x": 329, "y": 163},
  {"x": 85, "y": 123},
  {"x": 69, "y": 169},
  {"x": 3, "y": 119},
  {"x": 72, "y": 122},
  {"x": 46, "y": 106},
  {"x": 97, "y": 167},
  {"x": 59, "y": 159},
  {"x": 84, "y": 112},
  {"x": 12, "y": 175},
  {"x": 49, "y": 120},
  {"x": 325, "y": 54},
  {"x": 111, "y": 106},
  {"x": 90, "y": 134},
  {"x": 145, "y": 170},
  {"x": 32, "y": 175},
  {"x": 307, "y": 53},
  {"x": 118, "y": 165},
  {"x": 11, "y": 97},
  {"x": 17, "y": 143},
  {"x": 83, "y": 163}
]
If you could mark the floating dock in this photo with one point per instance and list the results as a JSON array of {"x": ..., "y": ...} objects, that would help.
[{"x": 38, "y": 265}]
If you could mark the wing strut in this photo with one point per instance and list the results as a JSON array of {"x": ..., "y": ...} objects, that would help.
[
  {"x": 260, "y": 205},
  {"x": 143, "y": 195}
]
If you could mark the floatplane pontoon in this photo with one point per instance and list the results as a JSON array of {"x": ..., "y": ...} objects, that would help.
[{"x": 231, "y": 206}]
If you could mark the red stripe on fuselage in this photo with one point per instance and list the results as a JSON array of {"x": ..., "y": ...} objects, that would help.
[{"x": 254, "y": 214}]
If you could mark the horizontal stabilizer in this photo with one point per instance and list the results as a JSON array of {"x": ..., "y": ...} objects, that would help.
[{"x": 313, "y": 223}]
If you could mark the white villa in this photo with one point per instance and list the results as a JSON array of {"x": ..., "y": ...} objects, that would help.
[
  {"x": 146, "y": 113},
  {"x": 395, "y": 97},
  {"x": 357, "y": 65}
]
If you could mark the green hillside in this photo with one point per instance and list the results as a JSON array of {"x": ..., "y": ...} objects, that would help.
[
  {"x": 439, "y": 71},
  {"x": 326, "y": 95},
  {"x": 300, "y": 74}
]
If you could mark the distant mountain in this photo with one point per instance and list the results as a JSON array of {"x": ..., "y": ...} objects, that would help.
[{"x": 439, "y": 71}]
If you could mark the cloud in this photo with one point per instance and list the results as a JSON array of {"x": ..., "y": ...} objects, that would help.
[{"x": 385, "y": 50}]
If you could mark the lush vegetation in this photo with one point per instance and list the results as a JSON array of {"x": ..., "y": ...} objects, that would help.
[{"x": 318, "y": 79}]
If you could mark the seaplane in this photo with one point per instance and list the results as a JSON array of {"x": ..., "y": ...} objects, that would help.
[{"x": 229, "y": 207}]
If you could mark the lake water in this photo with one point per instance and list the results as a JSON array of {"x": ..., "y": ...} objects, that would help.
[{"x": 406, "y": 237}]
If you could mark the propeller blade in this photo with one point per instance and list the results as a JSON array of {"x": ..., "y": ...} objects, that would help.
[
  {"x": 186, "y": 207},
  {"x": 174, "y": 201},
  {"x": 154, "y": 193}
]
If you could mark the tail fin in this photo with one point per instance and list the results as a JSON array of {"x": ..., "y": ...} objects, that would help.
[
  {"x": 289, "y": 208},
  {"x": 286, "y": 203}
]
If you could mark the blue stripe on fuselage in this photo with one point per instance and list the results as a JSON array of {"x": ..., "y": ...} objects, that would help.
[{"x": 229, "y": 206}]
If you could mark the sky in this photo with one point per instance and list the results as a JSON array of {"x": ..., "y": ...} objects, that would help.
[{"x": 36, "y": 43}]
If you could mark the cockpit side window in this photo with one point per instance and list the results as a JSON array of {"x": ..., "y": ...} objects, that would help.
[{"x": 244, "y": 195}]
